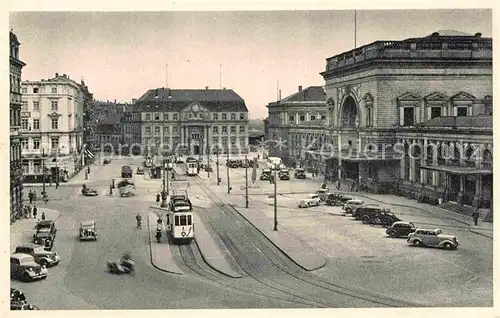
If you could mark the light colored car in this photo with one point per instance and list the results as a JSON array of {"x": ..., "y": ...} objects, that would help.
[
  {"x": 309, "y": 200},
  {"x": 24, "y": 267},
  {"x": 88, "y": 231},
  {"x": 436, "y": 238},
  {"x": 351, "y": 205}
]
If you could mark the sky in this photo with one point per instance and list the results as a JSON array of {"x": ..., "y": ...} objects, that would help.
[{"x": 121, "y": 55}]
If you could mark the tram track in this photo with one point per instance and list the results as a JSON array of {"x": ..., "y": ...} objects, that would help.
[
  {"x": 191, "y": 256},
  {"x": 254, "y": 249}
]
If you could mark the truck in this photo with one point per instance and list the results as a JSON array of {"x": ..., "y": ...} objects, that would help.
[{"x": 179, "y": 201}]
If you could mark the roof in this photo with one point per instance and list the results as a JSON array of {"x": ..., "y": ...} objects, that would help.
[
  {"x": 20, "y": 255},
  {"x": 176, "y": 99},
  {"x": 113, "y": 119},
  {"x": 88, "y": 224},
  {"x": 310, "y": 94},
  {"x": 480, "y": 121},
  {"x": 45, "y": 222},
  {"x": 13, "y": 37},
  {"x": 450, "y": 33},
  {"x": 30, "y": 245}
]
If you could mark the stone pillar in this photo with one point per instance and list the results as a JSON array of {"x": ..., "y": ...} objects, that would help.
[
  {"x": 446, "y": 187},
  {"x": 477, "y": 194},
  {"x": 460, "y": 197}
]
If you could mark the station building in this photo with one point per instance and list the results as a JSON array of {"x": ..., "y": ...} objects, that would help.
[
  {"x": 188, "y": 121},
  {"x": 414, "y": 117}
]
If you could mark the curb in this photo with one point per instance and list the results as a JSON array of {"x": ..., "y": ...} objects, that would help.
[
  {"x": 308, "y": 270},
  {"x": 210, "y": 265},
  {"x": 151, "y": 253}
]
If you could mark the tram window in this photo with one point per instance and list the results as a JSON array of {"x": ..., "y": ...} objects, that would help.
[
  {"x": 176, "y": 220},
  {"x": 189, "y": 220},
  {"x": 183, "y": 219}
]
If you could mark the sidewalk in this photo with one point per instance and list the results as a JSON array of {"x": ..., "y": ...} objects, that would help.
[
  {"x": 23, "y": 229},
  {"x": 161, "y": 254}
]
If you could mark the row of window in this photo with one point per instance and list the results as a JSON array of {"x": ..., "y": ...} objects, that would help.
[
  {"x": 36, "y": 142},
  {"x": 215, "y": 140},
  {"x": 409, "y": 114},
  {"x": 302, "y": 118},
  {"x": 15, "y": 83},
  {"x": 54, "y": 124},
  {"x": 175, "y": 117},
  {"x": 54, "y": 106},
  {"x": 215, "y": 130},
  {"x": 36, "y": 90}
]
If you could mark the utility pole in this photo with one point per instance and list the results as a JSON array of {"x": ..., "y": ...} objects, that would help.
[
  {"x": 227, "y": 167},
  {"x": 43, "y": 171},
  {"x": 166, "y": 172},
  {"x": 217, "y": 163},
  {"x": 246, "y": 182},
  {"x": 164, "y": 195},
  {"x": 275, "y": 198},
  {"x": 57, "y": 171}
]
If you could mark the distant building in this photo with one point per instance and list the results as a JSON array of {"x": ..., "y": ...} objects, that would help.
[
  {"x": 52, "y": 123},
  {"x": 297, "y": 125},
  {"x": 98, "y": 113},
  {"x": 190, "y": 121},
  {"x": 16, "y": 171},
  {"x": 109, "y": 133},
  {"x": 431, "y": 96}
]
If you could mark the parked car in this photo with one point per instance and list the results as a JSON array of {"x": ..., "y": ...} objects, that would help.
[
  {"x": 284, "y": 174},
  {"x": 44, "y": 238},
  {"x": 106, "y": 161},
  {"x": 436, "y": 238},
  {"x": 384, "y": 218},
  {"x": 300, "y": 173},
  {"x": 337, "y": 199},
  {"x": 400, "y": 229},
  {"x": 351, "y": 205},
  {"x": 88, "y": 231},
  {"x": 232, "y": 163},
  {"x": 266, "y": 174},
  {"x": 367, "y": 212},
  {"x": 309, "y": 200},
  {"x": 88, "y": 192},
  {"x": 126, "y": 172},
  {"x": 139, "y": 170},
  {"x": 47, "y": 224},
  {"x": 16, "y": 305},
  {"x": 322, "y": 193},
  {"x": 17, "y": 295},
  {"x": 24, "y": 267},
  {"x": 40, "y": 255}
]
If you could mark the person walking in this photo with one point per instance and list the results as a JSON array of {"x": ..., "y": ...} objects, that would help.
[
  {"x": 29, "y": 212},
  {"x": 43, "y": 216},
  {"x": 157, "y": 199},
  {"x": 475, "y": 216},
  {"x": 30, "y": 196},
  {"x": 35, "y": 210}
]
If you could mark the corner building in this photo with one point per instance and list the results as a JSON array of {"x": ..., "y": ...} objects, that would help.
[
  {"x": 429, "y": 96},
  {"x": 16, "y": 172},
  {"x": 189, "y": 121}
]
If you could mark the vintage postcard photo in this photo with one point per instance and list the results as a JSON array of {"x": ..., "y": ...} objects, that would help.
[{"x": 242, "y": 159}]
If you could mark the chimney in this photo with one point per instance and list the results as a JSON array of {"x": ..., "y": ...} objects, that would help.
[
  {"x": 134, "y": 100},
  {"x": 115, "y": 101},
  {"x": 279, "y": 95},
  {"x": 300, "y": 88},
  {"x": 57, "y": 74},
  {"x": 206, "y": 87},
  {"x": 64, "y": 75}
]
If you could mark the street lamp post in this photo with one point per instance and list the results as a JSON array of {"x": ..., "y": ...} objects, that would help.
[
  {"x": 227, "y": 167},
  {"x": 165, "y": 190},
  {"x": 208, "y": 156},
  {"x": 359, "y": 148},
  {"x": 43, "y": 171},
  {"x": 217, "y": 163},
  {"x": 275, "y": 198},
  {"x": 246, "y": 182}
]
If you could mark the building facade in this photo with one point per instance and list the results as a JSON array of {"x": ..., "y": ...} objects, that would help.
[
  {"x": 16, "y": 172},
  {"x": 98, "y": 114},
  {"x": 297, "y": 126},
  {"x": 109, "y": 134},
  {"x": 52, "y": 123},
  {"x": 391, "y": 102},
  {"x": 189, "y": 121}
]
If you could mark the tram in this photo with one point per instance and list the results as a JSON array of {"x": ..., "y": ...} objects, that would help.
[
  {"x": 180, "y": 219},
  {"x": 192, "y": 166}
]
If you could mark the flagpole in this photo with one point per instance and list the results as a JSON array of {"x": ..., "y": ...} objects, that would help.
[
  {"x": 246, "y": 181},
  {"x": 355, "y": 29}
]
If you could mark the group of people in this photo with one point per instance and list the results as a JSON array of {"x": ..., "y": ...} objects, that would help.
[
  {"x": 32, "y": 196},
  {"x": 32, "y": 211}
]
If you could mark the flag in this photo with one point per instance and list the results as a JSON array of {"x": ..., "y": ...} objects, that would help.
[
  {"x": 254, "y": 170},
  {"x": 89, "y": 154}
]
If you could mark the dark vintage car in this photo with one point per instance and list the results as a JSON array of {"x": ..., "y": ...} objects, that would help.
[
  {"x": 17, "y": 295},
  {"x": 284, "y": 174},
  {"x": 244, "y": 163},
  {"x": 41, "y": 256},
  {"x": 300, "y": 173},
  {"x": 337, "y": 199},
  {"x": 88, "y": 231},
  {"x": 106, "y": 161},
  {"x": 232, "y": 163},
  {"x": 367, "y": 211},
  {"x": 45, "y": 234},
  {"x": 400, "y": 229},
  {"x": 24, "y": 267},
  {"x": 266, "y": 174},
  {"x": 139, "y": 170},
  {"x": 126, "y": 172},
  {"x": 208, "y": 168},
  {"x": 385, "y": 219}
]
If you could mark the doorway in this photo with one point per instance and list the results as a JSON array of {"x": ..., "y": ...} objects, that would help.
[{"x": 196, "y": 150}]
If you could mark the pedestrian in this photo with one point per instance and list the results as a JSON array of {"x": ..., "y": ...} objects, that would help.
[
  {"x": 35, "y": 210},
  {"x": 173, "y": 176},
  {"x": 88, "y": 169},
  {"x": 50, "y": 181},
  {"x": 43, "y": 216},
  {"x": 157, "y": 199},
  {"x": 475, "y": 216},
  {"x": 30, "y": 196},
  {"x": 29, "y": 211}
]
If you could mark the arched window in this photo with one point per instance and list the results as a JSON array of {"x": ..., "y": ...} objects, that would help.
[
  {"x": 349, "y": 112},
  {"x": 469, "y": 157},
  {"x": 487, "y": 159},
  {"x": 455, "y": 159}
]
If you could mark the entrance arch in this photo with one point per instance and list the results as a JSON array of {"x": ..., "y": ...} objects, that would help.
[
  {"x": 349, "y": 112},
  {"x": 196, "y": 150}
]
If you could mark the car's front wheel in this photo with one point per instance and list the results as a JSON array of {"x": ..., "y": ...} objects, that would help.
[
  {"x": 417, "y": 243},
  {"x": 366, "y": 219},
  {"x": 448, "y": 246},
  {"x": 392, "y": 233}
]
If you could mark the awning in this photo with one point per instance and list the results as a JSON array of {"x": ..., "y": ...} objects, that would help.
[{"x": 459, "y": 170}]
